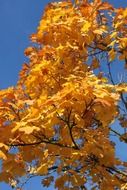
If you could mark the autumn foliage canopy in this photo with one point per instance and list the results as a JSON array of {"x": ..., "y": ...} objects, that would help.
[{"x": 58, "y": 122}]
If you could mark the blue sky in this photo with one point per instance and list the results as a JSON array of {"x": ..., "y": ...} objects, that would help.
[{"x": 19, "y": 19}]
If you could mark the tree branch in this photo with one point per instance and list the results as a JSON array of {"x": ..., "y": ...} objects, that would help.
[
  {"x": 70, "y": 127},
  {"x": 40, "y": 142}
]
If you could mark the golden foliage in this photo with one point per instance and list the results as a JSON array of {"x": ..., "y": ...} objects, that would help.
[{"x": 59, "y": 113}]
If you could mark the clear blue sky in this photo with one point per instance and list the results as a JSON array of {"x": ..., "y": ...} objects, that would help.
[{"x": 19, "y": 19}]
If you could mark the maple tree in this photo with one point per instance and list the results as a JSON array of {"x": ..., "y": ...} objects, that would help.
[{"x": 58, "y": 120}]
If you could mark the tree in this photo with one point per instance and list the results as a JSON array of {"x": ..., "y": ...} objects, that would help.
[{"x": 57, "y": 122}]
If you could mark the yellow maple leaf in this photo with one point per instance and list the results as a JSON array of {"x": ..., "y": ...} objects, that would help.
[
  {"x": 42, "y": 170},
  {"x": 125, "y": 13},
  {"x": 3, "y": 155},
  {"x": 112, "y": 54},
  {"x": 29, "y": 129},
  {"x": 86, "y": 26},
  {"x": 122, "y": 87},
  {"x": 95, "y": 63}
]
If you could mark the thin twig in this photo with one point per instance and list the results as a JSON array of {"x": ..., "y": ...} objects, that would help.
[{"x": 40, "y": 142}]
